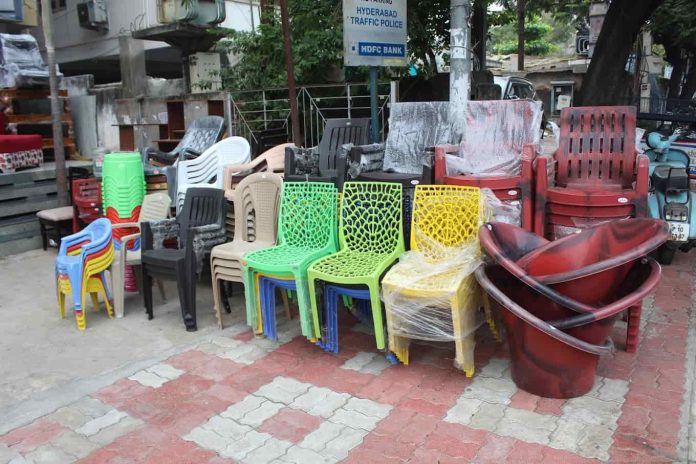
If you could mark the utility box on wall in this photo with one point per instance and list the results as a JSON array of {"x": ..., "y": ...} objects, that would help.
[
  {"x": 204, "y": 72},
  {"x": 93, "y": 15}
]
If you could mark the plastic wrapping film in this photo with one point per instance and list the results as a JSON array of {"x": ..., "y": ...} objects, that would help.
[
  {"x": 422, "y": 307},
  {"x": 509, "y": 212},
  {"x": 21, "y": 64},
  {"x": 493, "y": 136},
  {"x": 560, "y": 231},
  {"x": 414, "y": 127},
  {"x": 371, "y": 159}
]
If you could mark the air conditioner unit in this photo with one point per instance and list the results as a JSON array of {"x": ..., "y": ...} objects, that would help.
[{"x": 93, "y": 15}]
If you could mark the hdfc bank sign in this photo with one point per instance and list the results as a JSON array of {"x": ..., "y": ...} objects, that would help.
[{"x": 374, "y": 32}]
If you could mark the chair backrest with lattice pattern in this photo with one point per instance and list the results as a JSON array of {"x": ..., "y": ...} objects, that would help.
[
  {"x": 597, "y": 147},
  {"x": 308, "y": 215},
  {"x": 444, "y": 216},
  {"x": 371, "y": 217}
]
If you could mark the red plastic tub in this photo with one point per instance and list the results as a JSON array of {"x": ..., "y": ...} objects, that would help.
[{"x": 545, "y": 361}]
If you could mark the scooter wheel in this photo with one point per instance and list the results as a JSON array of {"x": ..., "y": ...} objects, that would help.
[{"x": 665, "y": 255}]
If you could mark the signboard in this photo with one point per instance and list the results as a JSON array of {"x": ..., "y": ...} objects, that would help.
[{"x": 374, "y": 33}]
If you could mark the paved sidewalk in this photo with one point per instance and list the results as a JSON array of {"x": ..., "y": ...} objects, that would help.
[{"x": 240, "y": 398}]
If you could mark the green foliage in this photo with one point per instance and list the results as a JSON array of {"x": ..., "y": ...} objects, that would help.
[
  {"x": 536, "y": 38},
  {"x": 674, "y": 23}
]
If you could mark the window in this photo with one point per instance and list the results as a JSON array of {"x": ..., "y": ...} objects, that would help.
[
  {"x": 57, "y": 5},
  {"x": 521, "y": 90}
]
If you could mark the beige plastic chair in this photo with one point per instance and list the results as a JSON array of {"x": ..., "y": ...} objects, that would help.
[
  {"x": 155, "y": 207},
  {"x": 256, "y": 199},
  {"x": 271, "y": 160}
]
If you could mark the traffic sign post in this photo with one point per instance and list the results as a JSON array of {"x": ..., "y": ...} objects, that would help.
[{"x": 374, "y": 34}]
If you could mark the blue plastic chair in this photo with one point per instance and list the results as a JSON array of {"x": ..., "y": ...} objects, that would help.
[
  {"x": 267, "y": 294},
  {"x": 329, "y": 340}
]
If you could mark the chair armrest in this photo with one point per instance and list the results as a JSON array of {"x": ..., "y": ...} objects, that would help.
[
  {"x": 526, "y": 191},
  {"x": 642, "y": 181},
  {"x": 154, "y": 233},
  {"x": 341, "y": 170},
  {"x": 542, "y": 186},
  {"x": 201, "y": 240},
  {"x": 188, "y": 154},
  {"x": 289, "y": 161},
  {"x": 125, "y": 241},
  {"x": 125, "y": 225}
]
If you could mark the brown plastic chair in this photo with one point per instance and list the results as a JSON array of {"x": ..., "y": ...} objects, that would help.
[
  {"x": 272, "y": 160},
  {"x": 256, "y": 199}
]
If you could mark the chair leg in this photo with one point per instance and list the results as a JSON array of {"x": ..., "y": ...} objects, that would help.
[
  {"x": 217, "y": 291},
  {"x": 314, "y": 327},
  {"x": 286, "y": 303},
  {"x": 464, "y": 325},
  {"x": 147, "y": 292},
  {"x": 268, "y": 309},
  {"x": 633, "y": 329},
  {"x": 95, "y": 301},
  {"x": 44, "y": 236},
  {"x": 399, "y": 346},
  {"x": 117, "y": 284},
  {"x": 249, "y": 295},
  {"x": 377, "y": 314},
  {"x": 225, "y": 295},
  {"x": 186, "y": 281}
]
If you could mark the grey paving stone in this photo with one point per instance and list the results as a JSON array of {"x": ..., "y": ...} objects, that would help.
[
  {"x": 320, "y": 401},
  {"x": 527, "y": 426},
  {"x": 496, "y": 368},
  {"x": 259, "y": 415},
  {"x": 491, "y": 390},
  {"x": 49, "y": 454},
  {"x": 240, "y": 448},
  {"x": 240, "y": 409},
  {"x": 74, "y": 444},
  {"x": 271, "y": 450},
  {"x": 122, "y": 427},
  {"x": 227, "y": 428},
  {"x": 376, "y": 366},
  {"x": 7, "y": 454},
  {"x": 70, "y": 417},
  {"x": 317, "y": 440},
  {"x": 592, "y": 411},
  {"x": 567, "y": 435},
  {"x": 207, "y": 439},
  {"x": 166, "y": 371},
  {"x": 360, "y": 360},
  {"x": 613, "y": 390},
  {"x": 368, "y": 407},
  {"x": 340, "y": 447},
  {"x": 595, "y": 443},
  {"x": 487, "y": 417},
  {"x": 354, "y": 419},
  {"x": 91, "y": 406},
  {"x": 283, "y": 390},
  {"x": 107, "y": 420},
  {"x": 298, "y": 455},
  {"x": 463, "y": 411},
  {"x": 148, "y": 379}
]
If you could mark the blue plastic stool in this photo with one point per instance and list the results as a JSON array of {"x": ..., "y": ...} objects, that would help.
[
  {"x": 329, "y": 342},
  {"x": 267, "y": 294}
]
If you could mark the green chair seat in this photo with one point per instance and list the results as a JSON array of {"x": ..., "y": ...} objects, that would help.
[{"x": 346, "y": 265}]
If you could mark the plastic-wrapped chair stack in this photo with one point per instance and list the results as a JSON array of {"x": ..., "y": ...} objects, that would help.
[
  {"x": 599, "y": 176},
  {"x": 87, "y": 202},
  {"x": 207, "y": 170},
  {"x": 155, "y": 208},
  {"x": 498, "y": 151},
  {"x": 257, "y": 198},
  {"x": 82, "y": 259},
  {"x": 306, "y": 232},
  {"x": 123, "y": 189},
  {"x": 431, "y": 294},
  {"x": 371, "y": 238}
]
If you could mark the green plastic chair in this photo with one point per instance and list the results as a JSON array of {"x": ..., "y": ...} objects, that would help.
[
  {"x": 123, "y": 183},
  {"x": 306, "y": 232},
  {"x": 371, "y": 238}
]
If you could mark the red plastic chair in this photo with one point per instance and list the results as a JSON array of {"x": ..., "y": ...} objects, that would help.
[
  {"x": 87, "y": 202},
  {"x": 494, "y": 121},
  {"x": 599, "y": 175}
]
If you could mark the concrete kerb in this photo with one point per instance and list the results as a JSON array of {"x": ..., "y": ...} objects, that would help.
[
  {"x": 52, "y": 399},
  {"x": 687, "y": 436}
]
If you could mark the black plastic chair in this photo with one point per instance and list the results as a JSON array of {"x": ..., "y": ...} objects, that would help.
[
  {"x": 200, "y": 135},
  {"x": 321, "y": 164},
  {"x": 197, "y": 229}
]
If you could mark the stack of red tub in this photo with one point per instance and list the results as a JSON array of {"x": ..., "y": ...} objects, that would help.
[{"x": 559, "y": 300}]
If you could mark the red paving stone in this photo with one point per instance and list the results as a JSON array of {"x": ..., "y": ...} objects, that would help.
[
  {"x": 291, "y": 425},
  {"x": 421, "y": 394}
]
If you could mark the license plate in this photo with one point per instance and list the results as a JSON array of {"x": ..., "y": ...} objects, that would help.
[{"x": 679, "y": 231}]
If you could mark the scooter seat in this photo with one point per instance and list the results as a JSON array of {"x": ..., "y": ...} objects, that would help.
[{"x": 668, "y": 178}]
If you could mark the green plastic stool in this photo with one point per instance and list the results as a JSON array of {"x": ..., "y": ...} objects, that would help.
[
  {"x": 371, "y": 238},
  {"x": 123, "y": 182},
  {"x": 306, "y": 232}
]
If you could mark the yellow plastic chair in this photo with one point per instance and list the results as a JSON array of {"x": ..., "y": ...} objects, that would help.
[{"x": 431, "y": 294}]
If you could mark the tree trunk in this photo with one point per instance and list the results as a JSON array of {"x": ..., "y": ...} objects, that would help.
[
  {"x": 605, "y": 82},
  {"x": 56, "y": 105},
  {"x": 689, "y": 87},
  {"x": 673, "y": 57},
  {"x": 290, "y": 69},
  {"x": 520, "y": 34},
  {"x": 479, "y": 32}
]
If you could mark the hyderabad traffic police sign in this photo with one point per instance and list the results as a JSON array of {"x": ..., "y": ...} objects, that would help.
[{"x": 374, "y": 32}]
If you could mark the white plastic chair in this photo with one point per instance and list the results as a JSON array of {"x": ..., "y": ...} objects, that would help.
[
  {"x": 155, "y": 207},
  {"x": 207, "y": 170}
]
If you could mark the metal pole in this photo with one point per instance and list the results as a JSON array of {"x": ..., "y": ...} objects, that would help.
[
  {"x": 460, "y": 58},
  {"x": 292, "y": 93},
  {"x": 373, "y": 104},
  {"x": 520, "y": 34},
  {"x": 56, "y": 105}
]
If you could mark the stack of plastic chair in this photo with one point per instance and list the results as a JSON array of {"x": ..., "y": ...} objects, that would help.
[
  {"x": 306, "y": 232},
  {"x": 82, "y": 259},
  {"x": 123, "y": 189},
  {"x": 155, "y": 208},
  {"x": 431, "y": 294},
  {"x": 207, "y": 170},
  {"x": 498, "y": 151},
  {"x": 87, "y": 202},
  {"x": 256, "y": 199},
  {"x": 371, "y": 238},
  {"x": 598, "y": 174}
]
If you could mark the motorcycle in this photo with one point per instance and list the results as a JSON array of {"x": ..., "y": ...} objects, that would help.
[{"x": 669, "y": 197}]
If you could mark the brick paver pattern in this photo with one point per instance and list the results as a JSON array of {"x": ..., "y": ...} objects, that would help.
[{"x": 245, "y": 399}]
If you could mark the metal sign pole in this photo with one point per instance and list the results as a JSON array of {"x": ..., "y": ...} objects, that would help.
[{"x": 374, "y": 104}]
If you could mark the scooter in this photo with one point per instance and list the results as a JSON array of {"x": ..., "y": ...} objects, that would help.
[{"x": 669, "y": 197}]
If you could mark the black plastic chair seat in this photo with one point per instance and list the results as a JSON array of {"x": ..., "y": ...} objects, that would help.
[
  {"x": 667, "y": 178},
  {"x": 164, "y": 257}
]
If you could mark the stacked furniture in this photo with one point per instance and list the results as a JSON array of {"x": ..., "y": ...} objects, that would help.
[
  {"x": 256, "y": 197},
  {"x": 80, "y": 268},
  {"x": 155, "y": 208},
  {"x": 201, "y": 134},
  {"x": 123, "y": 190},
  {"x": 598, "y": 174},
  {"x": 87, "y": 202}
]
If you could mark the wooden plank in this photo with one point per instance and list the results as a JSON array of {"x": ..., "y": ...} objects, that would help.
[
  {"x": 27, "y": 191},
  {"x": 21, "y": 118},
  {"x": 29, "y": 206},
  {"x": 30, "y": 93}
]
